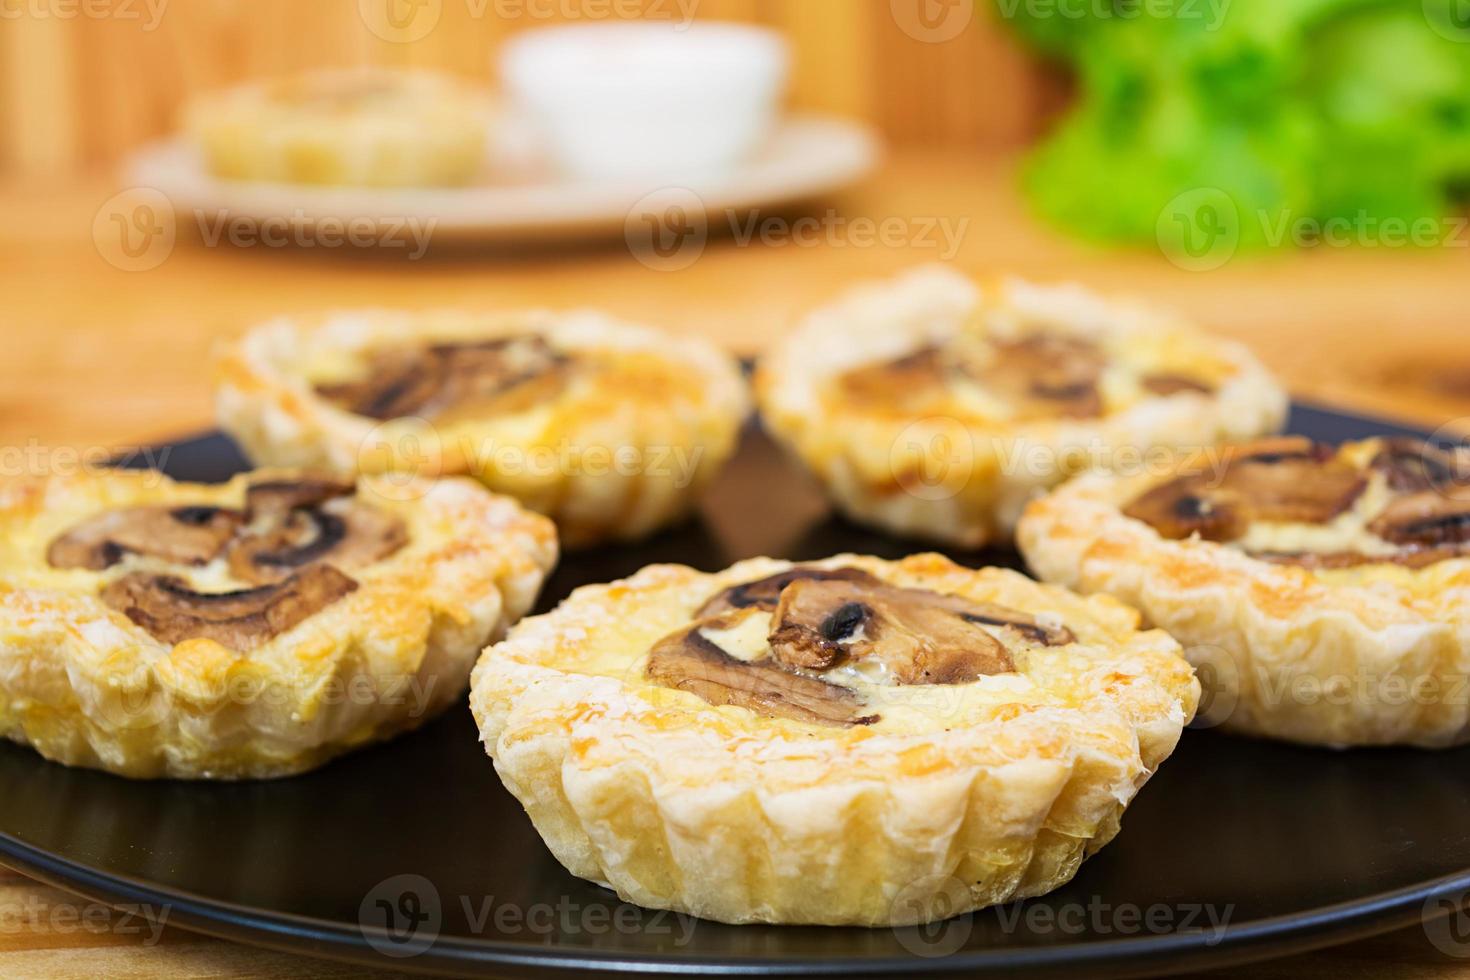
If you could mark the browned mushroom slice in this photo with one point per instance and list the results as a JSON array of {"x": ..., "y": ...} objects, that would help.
[
  {"x": 1294, "y": 488},
  {"x": 1027, "y": 625},
  {"x": 298, "y": 522},
  {"x": 172, "y": 612},
  {"x": 903, "y": 383},
  {"x": 1175, "y": 384},
  {"x": 1413, "y": 465},
  {"x": 1426, "y": 520},
  {"x": 347, "y": 533},
  {"x": 443, "y": 381},
  {"x": 1288, "y": 479},
  {"x": 276, "y": 499},
  {"x": 687, "y": 661},
  {"x": 765, "y": 593},
  {"x": 1047, "y": 374},
  {"x": 920, "y": 637},
  {"x": 190, "y": 535},
  {"x": 1184, "y": 506}
]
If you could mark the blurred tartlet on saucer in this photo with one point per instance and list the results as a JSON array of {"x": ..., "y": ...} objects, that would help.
[
  {"x": 353, "y": 128},
  {"x": 649, "y": 99}
]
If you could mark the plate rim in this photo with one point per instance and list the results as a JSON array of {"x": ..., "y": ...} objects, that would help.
[
  {"x": 852, "y": 149},
  {"x": 1138, "y": 956}
]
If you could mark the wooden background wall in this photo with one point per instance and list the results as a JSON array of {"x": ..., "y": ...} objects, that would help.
[{"x": 82, "y": 81}]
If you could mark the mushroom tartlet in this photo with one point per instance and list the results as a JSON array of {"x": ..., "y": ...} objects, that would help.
[
  {"x": 250, "y": 629},
  {"x": 368, "y": 128},
  {"x": 933, "y": 407},
  {"x": 848, "y": 741},
  {"x": 1321, "y": 591},
  {"x": 610, "y": 429}
]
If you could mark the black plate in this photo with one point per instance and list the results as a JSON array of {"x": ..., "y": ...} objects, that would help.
[{"x": 414, "y": 848}]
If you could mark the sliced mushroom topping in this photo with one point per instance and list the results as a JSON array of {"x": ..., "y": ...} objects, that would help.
[
  {"x": 689, "y": 661},
  {"x": 275, "y": 499},
  {"x": 445, "y": 381},
  {"x": 1024, "y": 623},
  {"x": 1426, "y": 520},
  {"x": 1175, "y": 384},
  {"x": 172, "y": 612},
  {"x": 903, "y": 382},
  {"x": 1413, "y": 465},
  {"x": 1046, "y": 374},
  {"x": 918, "y": 636},
  {"x": 190, "y": 535},
  {"x": 1408, "y": 558},
  {"x": 1289, "y": 480},
  {"x": 765, "y": 593},
  {"x": 299, "y": 523}
]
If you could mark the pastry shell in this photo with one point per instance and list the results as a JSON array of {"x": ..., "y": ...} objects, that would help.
[
  {"x": 1375, "y": 654},
  {"x": 86, "y": 686},
  {"x": 961, "y": 471},
  {"x": 370, "y": 128},
  {"x": 625, "y": 450},
  {"x": 998, "y": 789}
]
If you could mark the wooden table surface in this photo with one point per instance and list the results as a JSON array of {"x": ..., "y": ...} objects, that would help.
[{"x": 95, "y": 358}]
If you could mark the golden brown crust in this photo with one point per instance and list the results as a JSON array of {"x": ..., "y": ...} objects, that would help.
[
  {"x": 366, "y": 128},
  {"x": 381, "y": 645},
  {"x": 1044, "y": 382},
  {"x": 622, "y": 448},
  {"x": 725, "y": 811},
  {"x": 1299, "y": 645}
]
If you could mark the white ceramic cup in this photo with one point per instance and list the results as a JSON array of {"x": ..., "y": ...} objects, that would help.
[{"x": 648, "y": 99}]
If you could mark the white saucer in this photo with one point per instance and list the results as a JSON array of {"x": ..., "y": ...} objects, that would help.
[{"x": 807, "y": 156}]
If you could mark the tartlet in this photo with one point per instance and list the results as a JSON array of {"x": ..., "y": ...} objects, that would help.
[
  {"x": 611, "y": 429},
  {"x": 249, "y": 629},
  {"x": 848, "y": 741},
  {"x": 361, "y": 128},
  {"x": 935, "y": 407},
  {"x": 1322, "y": 591}
]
